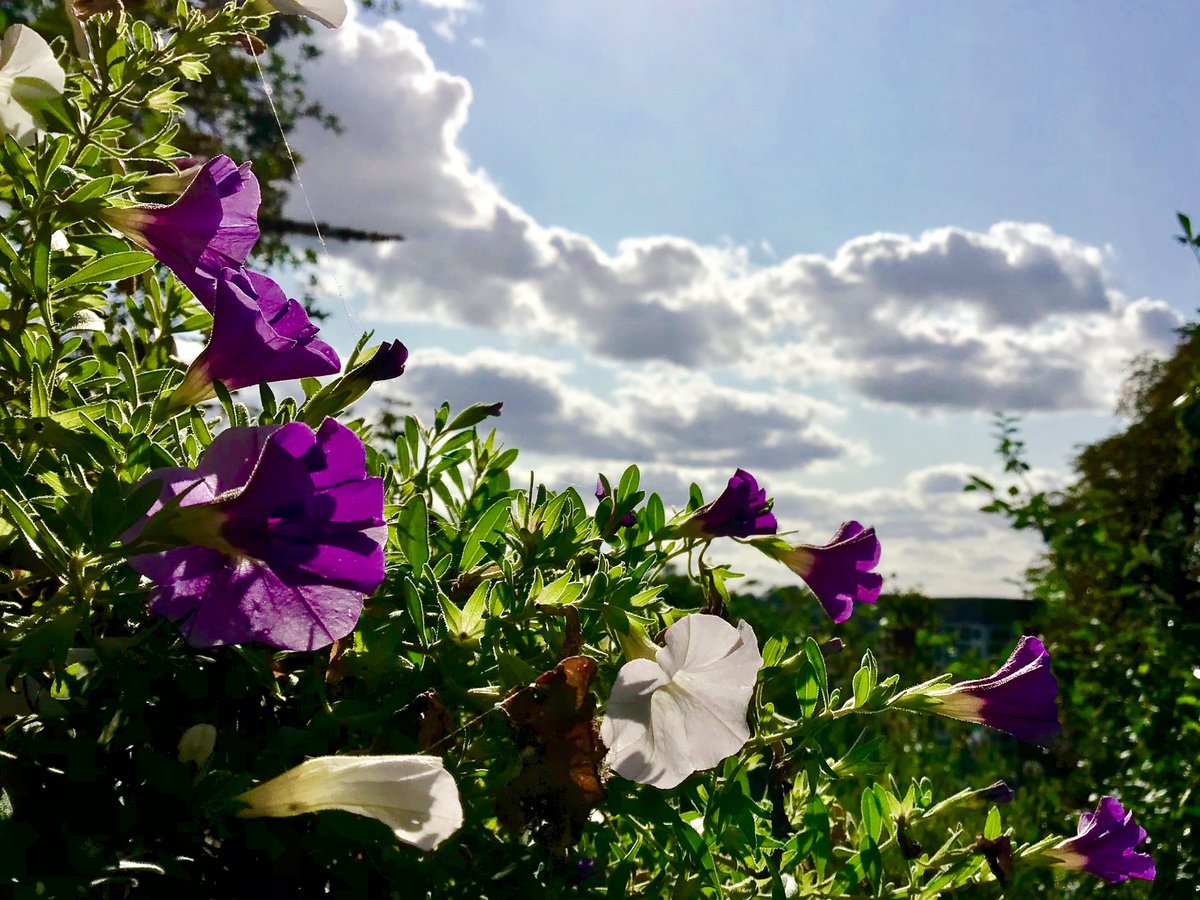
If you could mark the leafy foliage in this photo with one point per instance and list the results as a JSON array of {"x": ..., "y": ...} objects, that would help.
[
  {"x": 503, "y": 621},
  {"x": 1119, "y": 585}
]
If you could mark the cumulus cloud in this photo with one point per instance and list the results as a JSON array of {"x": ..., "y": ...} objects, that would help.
[
  {"x": 1017, "y": 317},
  {"x": 662, "y": 416}
]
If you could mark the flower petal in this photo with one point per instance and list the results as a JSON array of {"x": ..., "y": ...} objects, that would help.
[
  {"x": 27, "y": 61},
  {"x": 413, "y": 795},
  {"x": 330, "y": 13},
  {"x": 684, "y": 711}
]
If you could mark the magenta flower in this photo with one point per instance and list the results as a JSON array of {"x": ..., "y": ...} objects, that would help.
[
  {"x": 839, "y": 572},
  {"x": 741, "y": 511},
  {"x": 275, "y": 537},
  {"x": 1020, "y": 698},
  {"x": 212, "y": 226},
  {"x": 1105, "y": 845},
  {"x": 258, "y": 335}
]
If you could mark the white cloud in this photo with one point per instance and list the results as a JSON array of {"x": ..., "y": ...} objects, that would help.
[
  {"x": 454, "y": 14},
  {"x": 1017, "y": 317},
  {"x": 662, "y": 416}
]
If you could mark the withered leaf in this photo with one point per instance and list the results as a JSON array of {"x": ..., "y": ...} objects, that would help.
[
  {"x": 999, "y": 856},
  {"x": 558, "y": 785},
  {"x": 435, "y": 720}
]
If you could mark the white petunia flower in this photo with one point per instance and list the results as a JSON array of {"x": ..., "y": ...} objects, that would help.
[
  {"x": 413, "y": 795},
  {"x": 28, "y": 73},
  {"x": 684, "y": 710},
  {"x": 330, "y": 13}
]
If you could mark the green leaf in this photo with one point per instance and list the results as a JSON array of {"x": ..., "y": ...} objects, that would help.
[
  {"x": 647, "y": 596},
  {"x": 41, "y": 267},
  {"x": 562, "y": 591},
  {"x": 451, "y": 613},
  {"x": 808, "y": 690},
  {"x": 872, "y": 815},
  {"x": 39, "y": 396},
  {"x": 91, "y": 190},
  {"x": 864, "y": 685},
  {"x": 656, "y": 516},
  {"x": 483, "y": 529},
  {"x": 871, "y": 863},
  {"x": 266, "y": 397},
  {"x": 40, "y": 540},
  {"x": 992, "y": 828},
  {"x": 629, "y": 483},
  {"x": 505, "y": 459},
  {"x": 110, "y": 268},
  {"x": 470, "y": 623},
  {"x": 473, "y": 415},
  {"x": 813, "y": 651},
  {"x": 412, "y": 530},
  {"x": 814, "y": 838},
  {"x": 412, "y": 601}
]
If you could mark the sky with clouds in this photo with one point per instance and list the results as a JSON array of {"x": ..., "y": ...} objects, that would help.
[{"x": 823, "y": 243}]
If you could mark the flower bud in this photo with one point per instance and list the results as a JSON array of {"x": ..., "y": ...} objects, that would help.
[{"x": 197, "y": 744}]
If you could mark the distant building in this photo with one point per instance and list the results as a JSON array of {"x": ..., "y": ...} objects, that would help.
[{"x": 985, "y": 626}]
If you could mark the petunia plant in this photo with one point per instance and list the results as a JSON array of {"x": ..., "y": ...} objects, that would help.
[{"x": 260, "y": 639}]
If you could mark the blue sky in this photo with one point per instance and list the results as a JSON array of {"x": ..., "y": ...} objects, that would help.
[
  {"x": 806, "y": 124},
  {"x": 822, "y": 241}
]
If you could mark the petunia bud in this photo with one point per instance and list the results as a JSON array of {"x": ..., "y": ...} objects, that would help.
[
  {"x": 413, "y": 795},
  {"x": 385, "y": 363},
  {"x": 629, "y": 519},
  {"x": 999, "y": 856},
  {"x": 197, "y": 744},
  {"x": 999, "y": 792}
]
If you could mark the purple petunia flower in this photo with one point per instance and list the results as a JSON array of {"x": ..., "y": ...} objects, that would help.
[
  {"x": 258, "y": 335},
  {"x": 742, "y": 510},
  {"x": 1105, "y": 845},
  {"x": 275, "y": 537},
  {"x": 1020, "y": 698},
  {"x": 212, "y": 226},
  {"x": 839, "y": 572}
]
